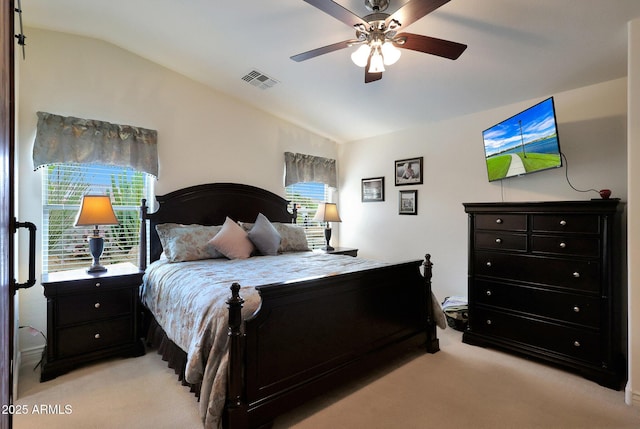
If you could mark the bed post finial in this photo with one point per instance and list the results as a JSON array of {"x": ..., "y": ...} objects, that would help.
[
  {"x": 234, "y": 395},
  {"x": 428, "y": 265},
  {"x": 142, "y": 257}
]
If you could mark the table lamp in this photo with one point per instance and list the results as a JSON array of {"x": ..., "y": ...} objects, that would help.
[
  {"x": 327, "y": 212},
  {"x": 96, "y": 210}
]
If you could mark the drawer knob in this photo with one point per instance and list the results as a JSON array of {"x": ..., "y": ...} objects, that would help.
[
  {"x": 489, "y": 264},
  {"x": 563, "y": 222},
  {"x": 498, "y": 240},
  {"x": 576, "y": 309},
  {"x": 498, "y": 220},
  {"x": 563, "y": 245},
  {"x": 96, "y": 336},
  {"x": 96, "y": 305},
  {"x": 576, "y": 343},
  {"x": 576, "y": 274},
  {"x": 489, "y": 322},
  {"x": 488, "y": 293},
  {"x": 97, "y": 284}
]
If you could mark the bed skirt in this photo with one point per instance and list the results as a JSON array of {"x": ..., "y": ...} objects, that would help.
[{"x": 175, "y": 357}]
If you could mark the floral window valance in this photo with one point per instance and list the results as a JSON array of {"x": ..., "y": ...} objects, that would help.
[
  {"x": 308, "y": 168},
  {"x": 66, "y": 139}
]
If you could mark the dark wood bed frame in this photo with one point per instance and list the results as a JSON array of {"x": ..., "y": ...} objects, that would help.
[{"x": 307, "y": 336}]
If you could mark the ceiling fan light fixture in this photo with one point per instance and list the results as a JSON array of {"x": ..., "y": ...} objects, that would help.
[
  {"x": 390, "y": 53},
  {"x": 377, "y": 64},
  {"x": 361, "y": 55}
]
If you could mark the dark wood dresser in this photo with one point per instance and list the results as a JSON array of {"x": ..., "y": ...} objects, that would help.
[
  {"x": 545, "y": 281},
  {"x": 90, "y": 316}
]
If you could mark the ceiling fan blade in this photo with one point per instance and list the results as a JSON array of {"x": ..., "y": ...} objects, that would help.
[
  {"x": 369, "y": 76},
  {"x": 414, "y": 10},
  {"x": 430, "y": 45},
  {"x": 338, "y": 12},
  {"x": 323, "y": 50}
]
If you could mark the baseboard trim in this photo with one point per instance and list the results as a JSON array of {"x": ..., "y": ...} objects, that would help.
[{"x": 31, "y": 356}]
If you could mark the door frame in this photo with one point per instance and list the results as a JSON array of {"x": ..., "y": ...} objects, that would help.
[{"x": 7, "y": 148}]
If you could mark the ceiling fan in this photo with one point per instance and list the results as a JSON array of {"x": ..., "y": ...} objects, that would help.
[{"x": 378, "y": 37}]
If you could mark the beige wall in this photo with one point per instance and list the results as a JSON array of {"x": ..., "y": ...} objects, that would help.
[{"x": 203, "y": 136}]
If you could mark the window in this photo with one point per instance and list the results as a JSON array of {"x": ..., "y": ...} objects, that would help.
[
  {"x": 306, "y": 196},
  {"x": 64, "y": 246}
]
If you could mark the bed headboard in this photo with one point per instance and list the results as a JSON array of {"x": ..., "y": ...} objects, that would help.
[{"x": 209, "y": 204}]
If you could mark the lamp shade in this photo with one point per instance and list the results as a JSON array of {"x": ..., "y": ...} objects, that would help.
[
  {"x": 327, "y": 212},
  {"x": 96, "y": 210}
]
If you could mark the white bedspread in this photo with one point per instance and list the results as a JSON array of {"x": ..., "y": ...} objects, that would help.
[{"x": 188, "y": 299}]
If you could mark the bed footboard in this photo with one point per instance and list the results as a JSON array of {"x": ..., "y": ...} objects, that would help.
[{"x": 310, "y": 336}]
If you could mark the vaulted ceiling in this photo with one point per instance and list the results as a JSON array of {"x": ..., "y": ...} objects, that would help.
[{"x": 517, "y": 50}]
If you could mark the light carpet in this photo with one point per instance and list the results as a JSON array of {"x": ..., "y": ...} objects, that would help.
[{"x": 461, "y": 386}]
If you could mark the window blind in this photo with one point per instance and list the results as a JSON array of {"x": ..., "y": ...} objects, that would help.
[
  {"x": 64, "y": 246},
  {"x": 306, "y": 196}
]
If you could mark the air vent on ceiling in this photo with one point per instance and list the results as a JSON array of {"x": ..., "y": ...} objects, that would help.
[{"x": 259, "y": 79}]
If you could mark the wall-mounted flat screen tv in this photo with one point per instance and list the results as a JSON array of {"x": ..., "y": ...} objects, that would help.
[{"x": 525, "y": 143}]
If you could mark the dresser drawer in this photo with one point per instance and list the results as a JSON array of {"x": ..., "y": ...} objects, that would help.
[
  {"x": 565, "y": 223},
  {"x": 580, "y": 275},
  {"x": 501, "y": 222},
  {"x": 572, "y": 342},
  {"x": 93, "y": 306},
  {"x": 566, "y": 245},
  {"x": 561, "y": 306},
  {"x": 496, "y": 240},
  {"x": 94, "y": 336}
]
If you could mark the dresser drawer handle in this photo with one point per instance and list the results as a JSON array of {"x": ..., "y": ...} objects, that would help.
[
  {"x": 489, "y": 322},
  {"x": 576, "y": 343},
  {"x": 563, "y": 245},
  {"x": 498, "y": 240},
  {"x": 96, "y": 336},
  {"x": 563, "y": 222},
  {"x": 489, "y": 264},
  {"x": 576, "y": 309},
  {"x": 498, "y": 220},
  {"x": 96, "y": 305},
  {"x": 97, "y": 284},
  {"x": 576, "y": 274},
  {"x": 488, "y": 293}
]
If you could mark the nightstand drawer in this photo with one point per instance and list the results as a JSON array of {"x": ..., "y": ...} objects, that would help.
[
  {"x": 90, "y": 307},
  {"x": 94, "y": 336}
]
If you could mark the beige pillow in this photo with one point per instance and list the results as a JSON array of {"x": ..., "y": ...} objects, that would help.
[
  {"x": 293, "y": 237},
  {"x": 187, "y": 242},
  {"x": 232, "y": 241}
]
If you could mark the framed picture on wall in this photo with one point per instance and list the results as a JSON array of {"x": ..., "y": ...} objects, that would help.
[
  {"x": 373, "y": 189},
  {"x": 408, "y": 171},
  {"x": 408, "y": 202}
]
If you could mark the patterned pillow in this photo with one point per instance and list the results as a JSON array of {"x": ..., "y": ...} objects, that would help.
[
  {"x": 293, "y": 237},
  {"x": 264, "y": 236},
  {"x": 187, "y": 242},
  {"x": 232, "y": 241}
]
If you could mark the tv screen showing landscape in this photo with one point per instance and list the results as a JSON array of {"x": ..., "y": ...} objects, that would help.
[{"x": 523, "y": 144}]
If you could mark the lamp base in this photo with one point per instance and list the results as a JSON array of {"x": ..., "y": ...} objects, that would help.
[
  {"x": 96, "y": 269},
  {"x": 96, "y": 245},
  {"x": 327, "y": 248}
]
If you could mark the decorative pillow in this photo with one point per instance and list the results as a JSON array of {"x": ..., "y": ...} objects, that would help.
[
  {"x": 187, "y": 242},
  {"x": 232, "y": 241},
  {"x": 264, "y": 236},
  {"x": 293, "y": 237}
]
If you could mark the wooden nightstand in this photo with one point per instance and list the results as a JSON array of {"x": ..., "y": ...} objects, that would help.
[
  {"x": 340, "y": 251},
  {"x": 90, "y": 316}
]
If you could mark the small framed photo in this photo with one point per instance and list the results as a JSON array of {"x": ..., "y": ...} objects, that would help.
[
  {"x": 373, "y": 189},
  {"x": 408, "y": 202},
  {"x": 408, "y": 171}
]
